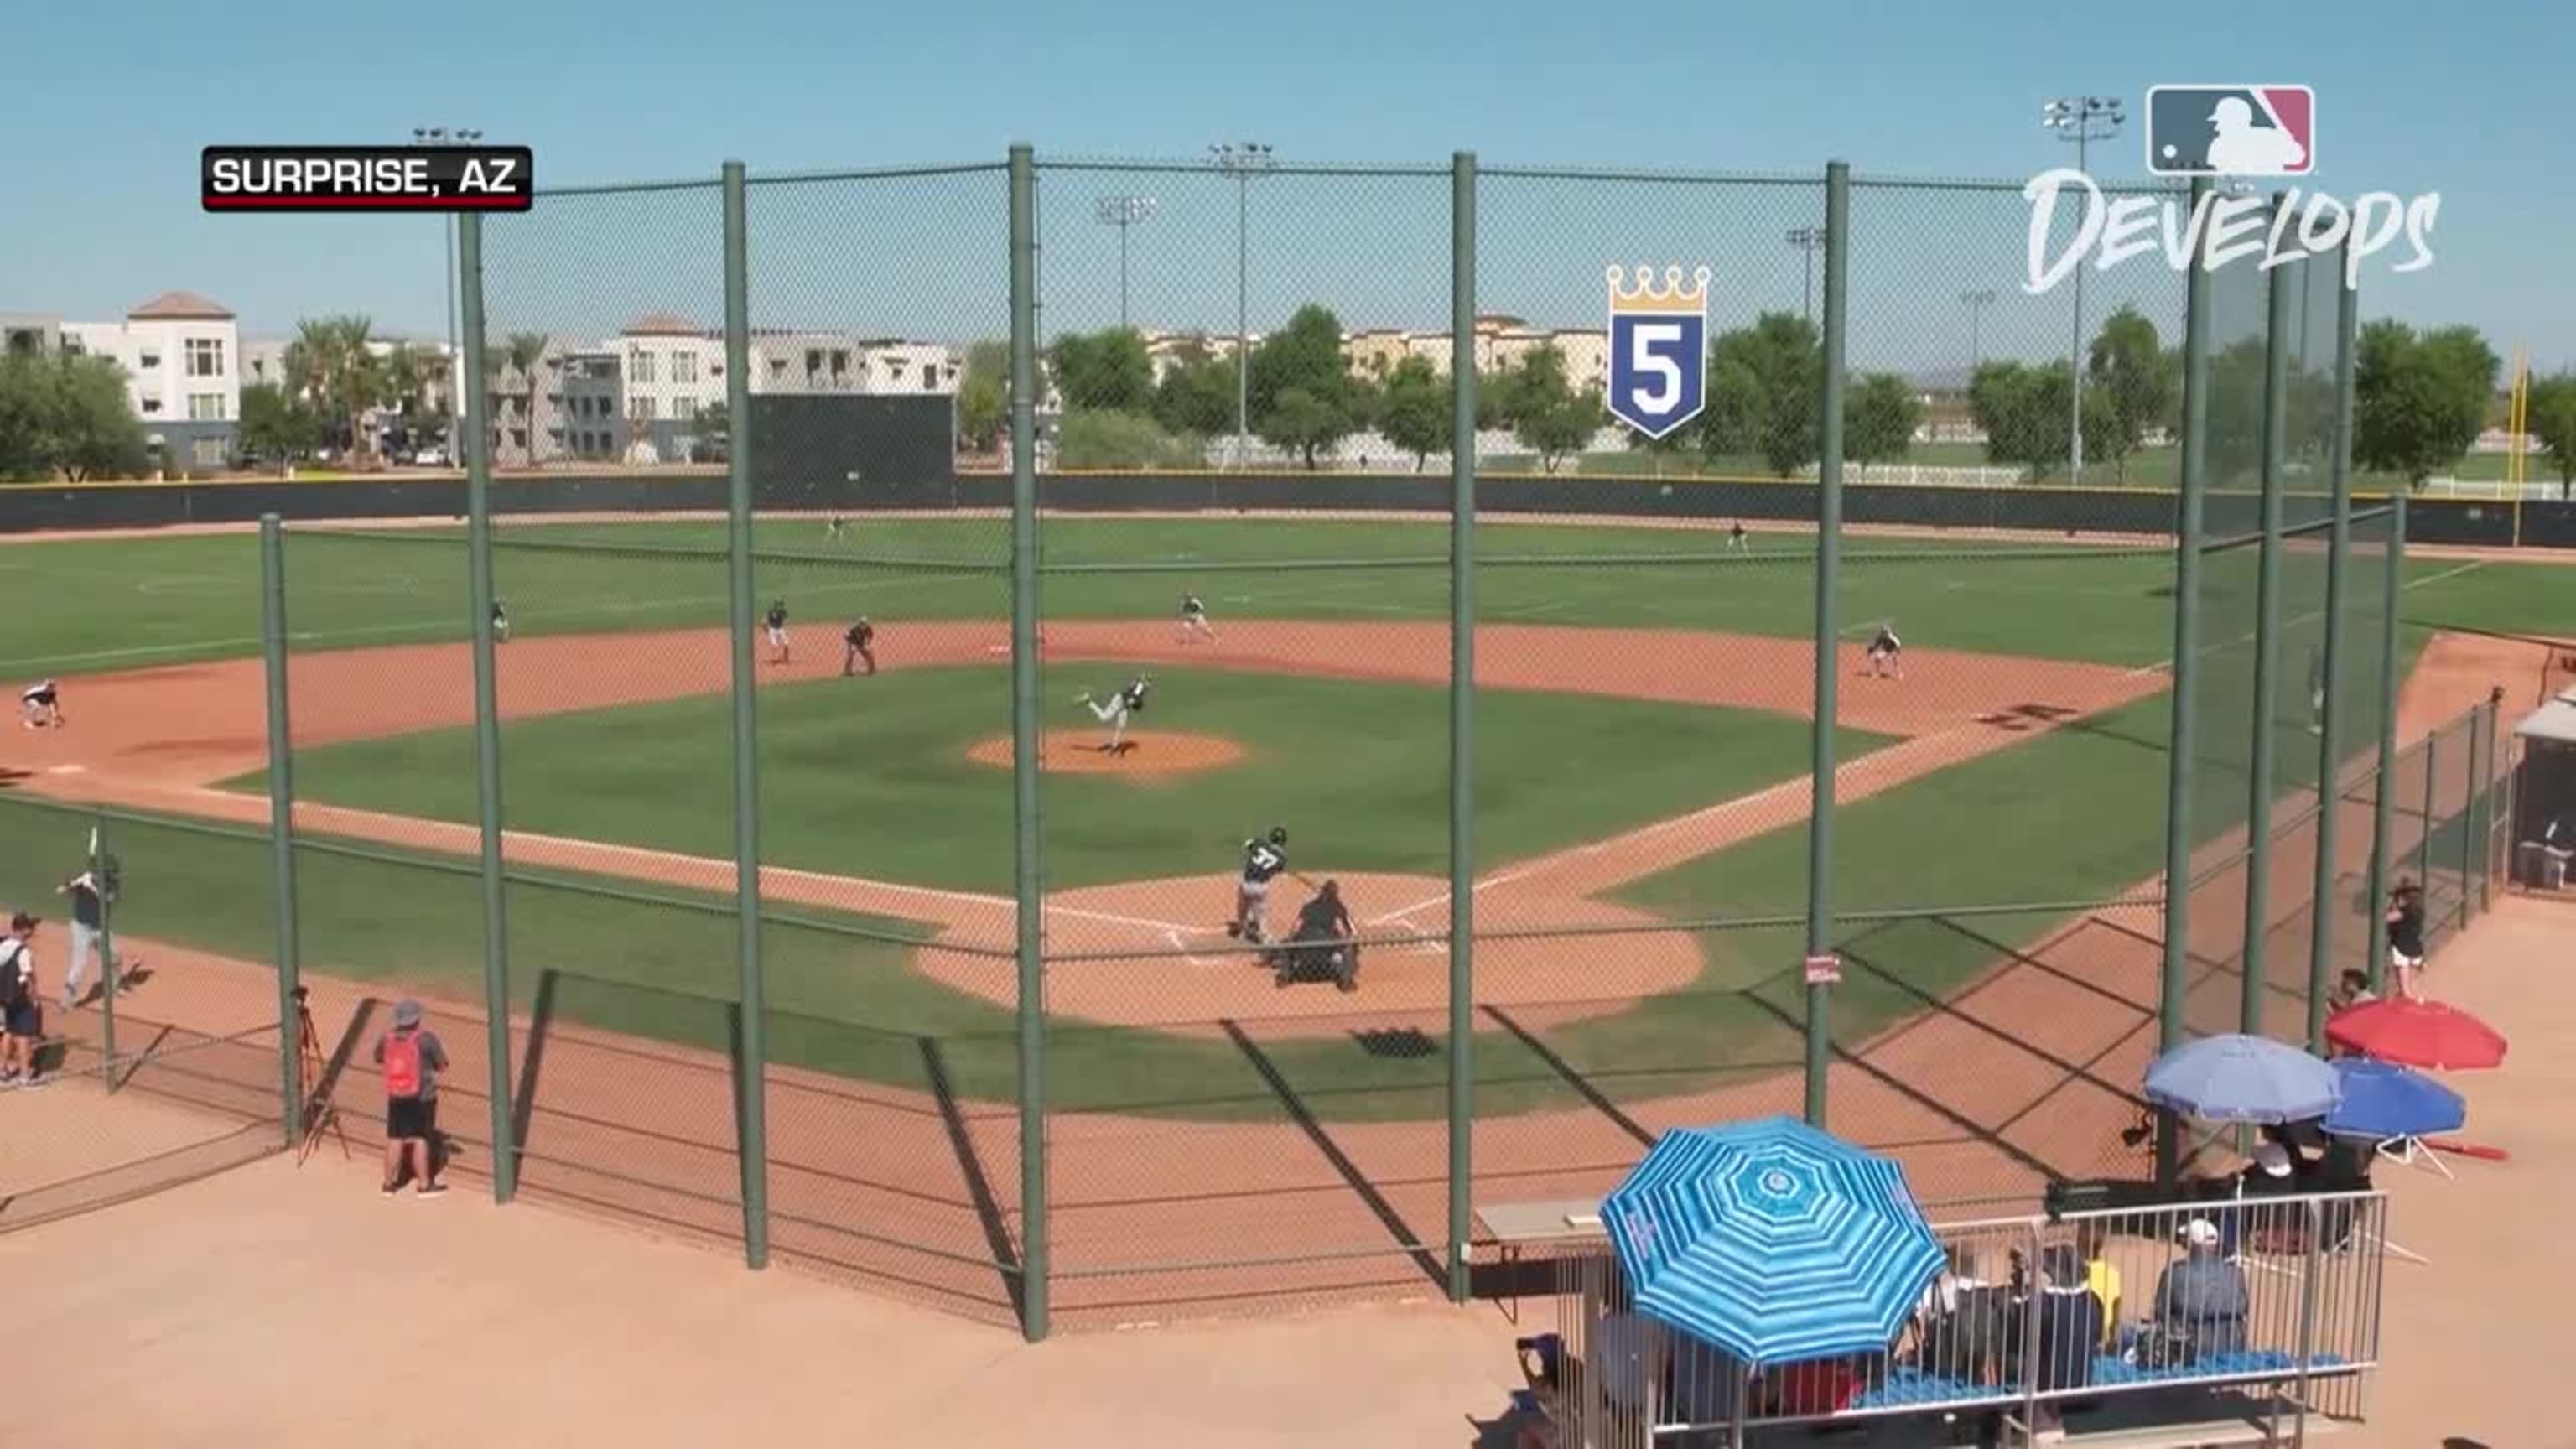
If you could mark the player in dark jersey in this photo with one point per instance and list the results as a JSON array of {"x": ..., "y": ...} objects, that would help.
[
  {"x": 858, "y": 647},
  {"x": 1114, "y": 711},
  {"x": 1194, "y": 620},
  {"x": 1265, "y": 858},
  {"x": 835, "y": 526},
  {"x": 1735, "y": 535},
  {"x": 42, "y": 704},
  {"x": 777, "y": 621},
  {"x": 1887, "y": 653},
  {"x": 500, "y": 622}
]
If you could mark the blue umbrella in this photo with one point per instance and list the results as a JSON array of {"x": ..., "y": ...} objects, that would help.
[
  {"x": 2237, "y": 1078},
  {"x": 2383, "y": 1102},
  {"x": 1771, "y": 1240}
]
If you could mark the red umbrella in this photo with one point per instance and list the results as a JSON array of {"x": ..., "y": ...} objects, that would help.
[{"x": 2417, "y": 1034}]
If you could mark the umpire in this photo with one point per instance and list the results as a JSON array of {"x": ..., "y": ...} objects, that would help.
[{"x": 859, "y": 648}]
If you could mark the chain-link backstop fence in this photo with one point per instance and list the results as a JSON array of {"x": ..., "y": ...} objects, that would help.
[{"x": 1164, "y": 476}]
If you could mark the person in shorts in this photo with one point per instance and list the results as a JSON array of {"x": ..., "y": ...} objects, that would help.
[
  {"x": 412, "y": 1058},
  {"x": 2406, "y": 935},
  {"x": 22, "y": 1015}
]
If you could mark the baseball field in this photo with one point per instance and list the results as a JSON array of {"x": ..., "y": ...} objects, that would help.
[{"x": 1643, "y": 727}]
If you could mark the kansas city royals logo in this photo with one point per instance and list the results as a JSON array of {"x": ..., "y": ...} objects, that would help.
[{"x": 1658, "y": 349}]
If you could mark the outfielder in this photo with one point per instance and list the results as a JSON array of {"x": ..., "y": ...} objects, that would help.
[
  {"x": 1115, "y": 710},
  {"x": 42, "y": 704},
  {"x": 1887, "y": 653},
  {"x": 835, "y": 526},
  {"x": 1194, "y": 620},
  {"x": 500, "y": 622},
  {"x": 2316, "y": 692},
  {"x": 1265, "y": 858},
  {"x": 777, "y": 621},
  {"x": 1735, "y": 536},
  {"x": 859, "y": 647}
]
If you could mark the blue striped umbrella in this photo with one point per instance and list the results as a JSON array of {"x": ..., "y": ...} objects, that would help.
[{"x": 1771, "y": 1240}]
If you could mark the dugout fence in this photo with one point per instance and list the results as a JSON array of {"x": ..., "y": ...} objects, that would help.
[{"x": 862, "y": 972}]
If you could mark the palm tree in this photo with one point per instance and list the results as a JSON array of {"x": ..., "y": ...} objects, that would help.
[
  {"x": 329, "y": 364},
  {"x": 408, "y": 372}
]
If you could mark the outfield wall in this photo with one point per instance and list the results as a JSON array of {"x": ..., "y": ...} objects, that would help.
[{"x": 77, "y": 507}]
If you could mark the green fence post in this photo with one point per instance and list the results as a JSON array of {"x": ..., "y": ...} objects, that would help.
[
  {"x": 1462, "y": 709},
  {"x": 2328, "y": 904},
  {"x": 753, "y": 1026},
  {"x": 2432, "y": 803},
  {"x": 2490, "y": 790},
  {"x": 2173, "y": 986},
  {"x": 100, "y": 879},
  {"x": 1028, "y": 891},
  {"x": 2383, "y": 823},
  {"x": 2267, "y": 652},
  {"x": 1828, "y": 633},
  {"x": 2469, "y": 814},
  {"x": 281, "y": 814},
  {"x": 487, "y": 713}
]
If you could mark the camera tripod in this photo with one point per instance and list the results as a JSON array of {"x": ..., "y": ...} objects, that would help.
[{"x": 318, "y": 1111}]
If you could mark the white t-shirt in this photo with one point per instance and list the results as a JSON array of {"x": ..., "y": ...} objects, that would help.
[{"x": 25, "y": 964}]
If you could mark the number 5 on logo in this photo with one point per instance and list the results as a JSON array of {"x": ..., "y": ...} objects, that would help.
[{"x": 1658, "y": 349}]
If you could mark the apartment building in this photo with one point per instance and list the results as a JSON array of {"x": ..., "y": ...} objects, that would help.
[{"x": 182, "y": 358}]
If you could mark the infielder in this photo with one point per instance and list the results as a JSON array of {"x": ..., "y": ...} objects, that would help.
[
  {"x": 42, "y": 704},
  {"x": 1735, "y": 536},
  {"x": 777, "y": 621},
  {"x": 859, "y": 647},
  {"x": 835, "y": 526},
  {"x": 1194, "y": 620},
  {"x": 500, "y": 622},
  {"x": 1265, "y": 858},
  {"x": 2316, "y": 692},
  {"x": 1887, "y": 653},
  {"x": 1114, "y": 712}
]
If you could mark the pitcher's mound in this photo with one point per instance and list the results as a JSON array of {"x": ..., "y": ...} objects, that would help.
[{"x": 1144, "y": 754}]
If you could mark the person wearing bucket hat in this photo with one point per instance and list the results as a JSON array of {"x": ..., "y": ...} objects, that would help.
[{"x": 412, "y": 1058}]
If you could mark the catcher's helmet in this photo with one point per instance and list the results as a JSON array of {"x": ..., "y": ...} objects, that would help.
[{"x": 1278, "y": 835}]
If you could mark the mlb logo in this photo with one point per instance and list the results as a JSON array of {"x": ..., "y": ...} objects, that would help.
[
  {"x": 2252, "y": 130},
  {"x": 1658, "y": 349}
]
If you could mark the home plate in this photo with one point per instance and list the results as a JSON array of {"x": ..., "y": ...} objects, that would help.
[{"x": 67, "y": 769}]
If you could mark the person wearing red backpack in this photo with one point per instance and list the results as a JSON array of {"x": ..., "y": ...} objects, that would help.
[{"x": 412, "y": 1058}]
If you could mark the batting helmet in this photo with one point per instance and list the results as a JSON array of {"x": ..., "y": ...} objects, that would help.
[{"x": 1278, "y": 835}]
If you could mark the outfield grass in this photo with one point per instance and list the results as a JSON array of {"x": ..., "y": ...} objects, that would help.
[{"x": 869, "y": 778}]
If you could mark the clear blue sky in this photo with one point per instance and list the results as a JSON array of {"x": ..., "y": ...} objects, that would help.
[{"x": 109, "y": 105}]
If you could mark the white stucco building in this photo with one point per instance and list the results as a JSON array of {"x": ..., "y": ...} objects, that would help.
[{"x": 182, "y": 358}]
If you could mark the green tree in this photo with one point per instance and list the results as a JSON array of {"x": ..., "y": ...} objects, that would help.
[
  {"x": 2136, "y": 385},
  {"x": 1197, "y": 393},
  {"x": 277, "y": 427},
  {"x": 332, "y": 370},
  {"x": 66, "y": 416},
  {"x": 1108, "y": 438},
  {"x": 2022, "y": 411},
  {"x": 1737, "y": 414},
  {"x": 1109, "y": 370},
  {"x": 1304, "y": 423},
  {"x": 984, "y": 395},
  {"x": 2419, "y": 400},
  {"x": 1549, "y": 417},
  {"x": 2552, "y": 419},
  {"x": 1414, "y": 412},
  {"x": 1781, "y": 355},
  {"x": 1302, "y": 392},
  {"x": 1880, "y": 414}
]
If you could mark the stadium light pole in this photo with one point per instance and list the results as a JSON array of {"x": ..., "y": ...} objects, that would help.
[
  {"x": 1123, "y": 212},
  {"x": 1811, "y": 240},
  {"x": 1978, "y": 301},
  {"x": 440, "y": 136},
  {"x": 1242, "y": 160},
  {"x": 2082, "y": 120}
]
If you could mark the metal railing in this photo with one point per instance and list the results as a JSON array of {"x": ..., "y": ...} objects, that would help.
[{"x": 2279, "y": 1315}]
